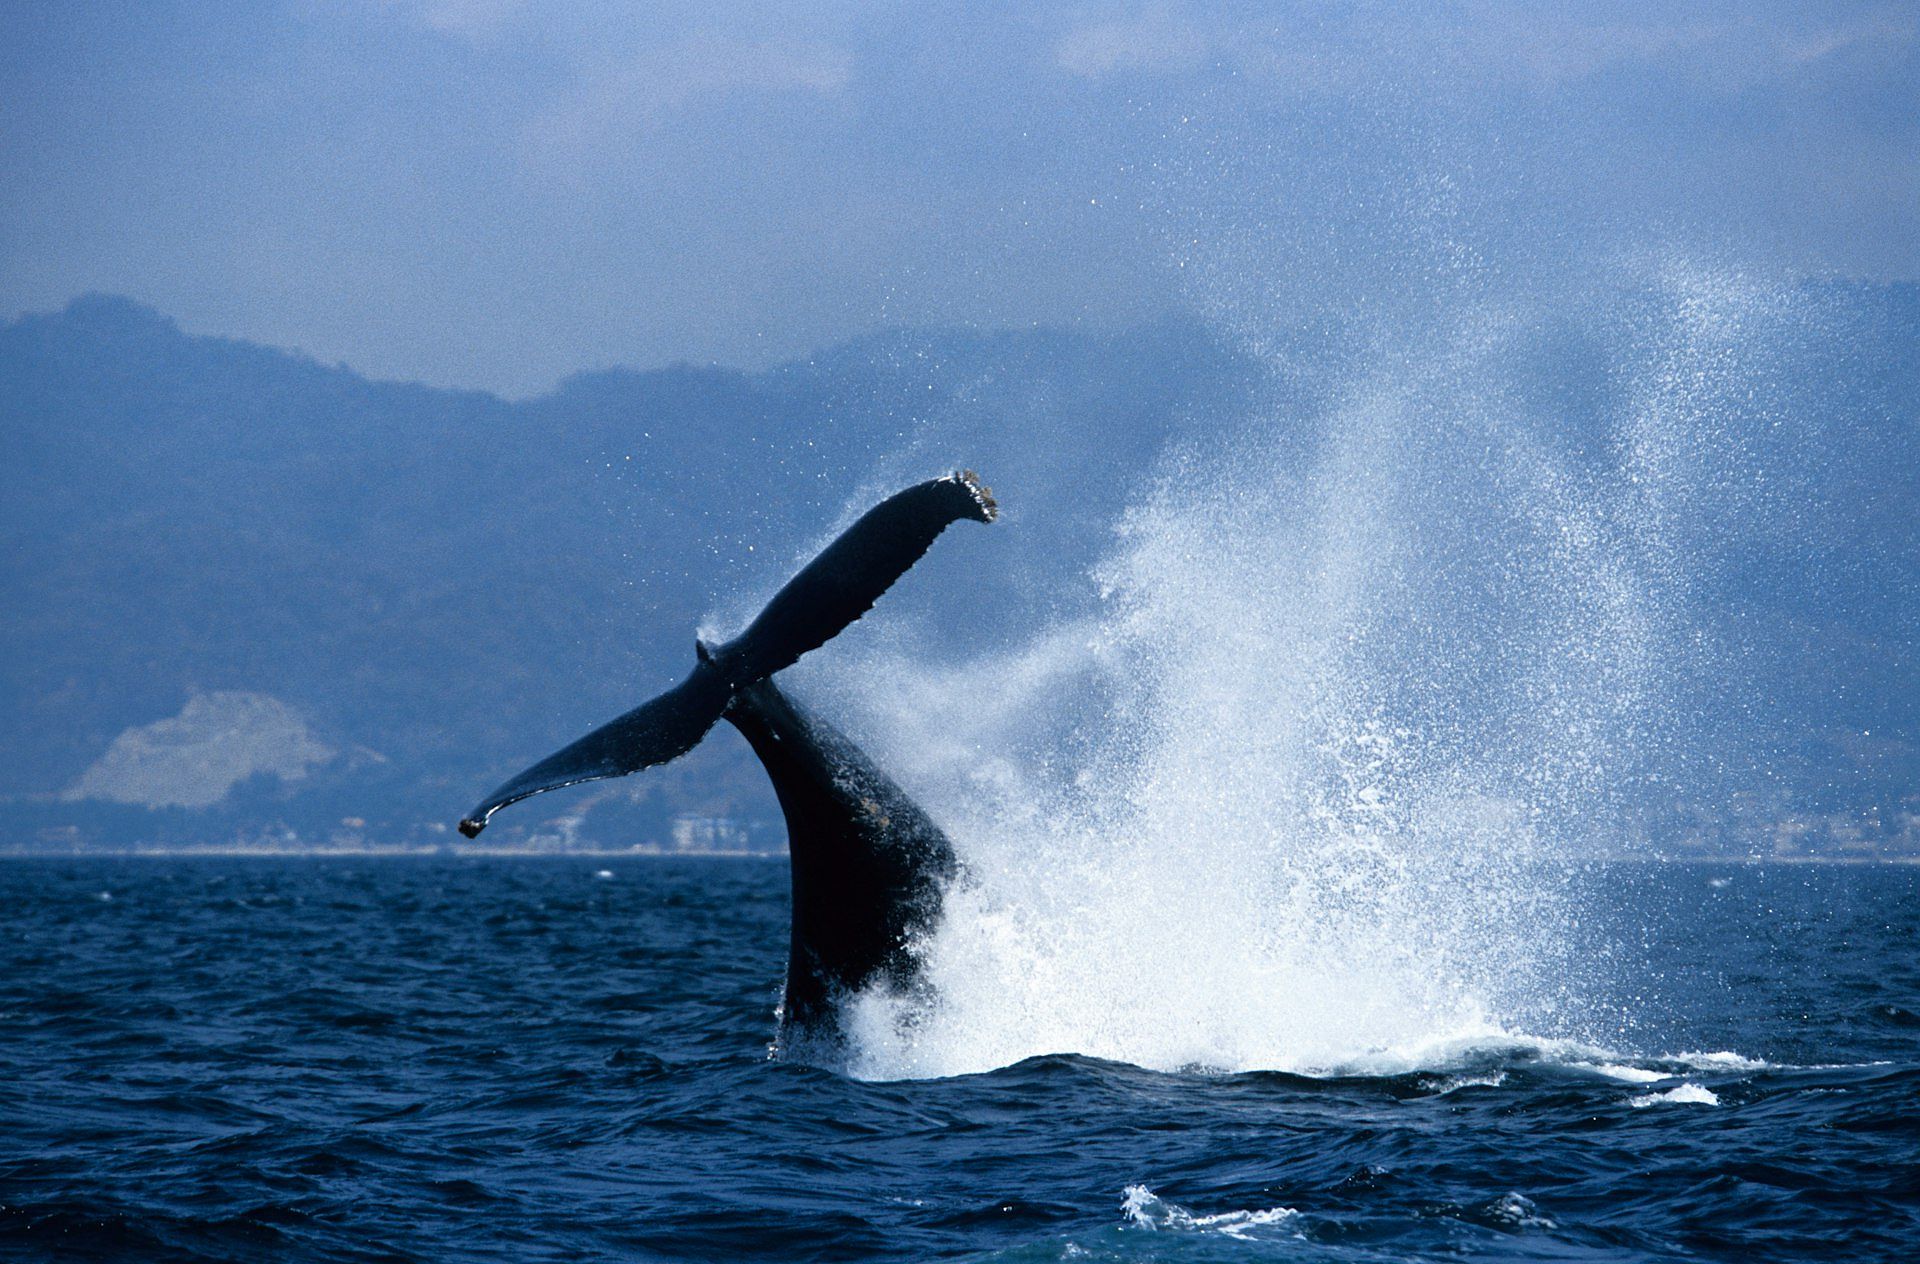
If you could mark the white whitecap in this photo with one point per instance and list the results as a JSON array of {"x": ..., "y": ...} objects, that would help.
[
  {"x": 1723, "y": 1060},
  {"x": 1520, "y": 1212},
  {"x": 1629, "y": 1074},
  {"x": 1147, "y": 1210},
  {"x": 1453, "y": 1083},
  {"x": 1685, "y": 1095}
]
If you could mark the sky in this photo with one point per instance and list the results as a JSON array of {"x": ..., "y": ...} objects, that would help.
[{"x": 497, "y": 193}]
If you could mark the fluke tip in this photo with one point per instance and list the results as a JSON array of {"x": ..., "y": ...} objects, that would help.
[{"x": 982, "y": 494}]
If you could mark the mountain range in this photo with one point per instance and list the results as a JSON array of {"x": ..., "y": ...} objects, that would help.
[{"x": 251, "y": 598}]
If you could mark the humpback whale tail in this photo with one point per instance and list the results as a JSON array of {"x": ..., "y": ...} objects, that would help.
[
  {"x": 830, "y": 592},
  {"x": 870, "y": 867}
]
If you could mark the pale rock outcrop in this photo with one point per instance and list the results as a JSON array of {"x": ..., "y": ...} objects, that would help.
[{"x": 193, "y": 759}]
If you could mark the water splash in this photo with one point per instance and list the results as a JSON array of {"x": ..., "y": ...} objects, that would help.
[
  {"x": 1365, "y": 684},
  {"x": 1379, "y": 661}
]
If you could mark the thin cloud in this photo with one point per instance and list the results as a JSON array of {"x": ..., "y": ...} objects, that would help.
[
  {"x": 641, "y": 92},
  {"x": 709, "y": 66},
  {"x": 1494, "y": 44},
  {"x": 1154, "y": 42},
  {"x": 1882, "y": 32},
  {"x": 472, "y": 20}
]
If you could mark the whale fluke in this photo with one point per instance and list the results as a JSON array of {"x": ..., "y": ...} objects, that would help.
[
  {"x": 654, "y": 732},
  {"x": 849, "y": 575},
  {"x": 830, "y": 592}
]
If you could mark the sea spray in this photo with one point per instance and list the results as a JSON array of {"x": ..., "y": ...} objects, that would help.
[{"x": 1363, "y": 687}]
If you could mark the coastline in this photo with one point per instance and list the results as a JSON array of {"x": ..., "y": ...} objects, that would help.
[{"x": 654, "y": 852}]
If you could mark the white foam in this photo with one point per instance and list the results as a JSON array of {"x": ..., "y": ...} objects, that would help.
[
  {"x": 1454, "y": 1083},
  {"x": 1630, "y": 1074},
  {"x": 1147, "y": 1210},
  {"x": 1723, "y": 1060},
  {"x": 1685, "y": 1095},
  {"x": 1520, "y": 1212}
]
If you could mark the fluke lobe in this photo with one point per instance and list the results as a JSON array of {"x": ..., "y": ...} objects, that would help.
[{"x": 869, "y": 866}]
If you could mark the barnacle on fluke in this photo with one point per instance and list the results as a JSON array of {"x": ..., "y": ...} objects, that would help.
[{"x": 982, "y": 494}]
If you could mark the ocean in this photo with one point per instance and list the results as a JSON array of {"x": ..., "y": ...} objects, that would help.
[{"x": 354, "y": 1059}]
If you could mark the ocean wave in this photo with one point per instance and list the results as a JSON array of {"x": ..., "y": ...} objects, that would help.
[
  {"x": 1145, "y": 1209},
  {"x": 1684, "y": 1095}
]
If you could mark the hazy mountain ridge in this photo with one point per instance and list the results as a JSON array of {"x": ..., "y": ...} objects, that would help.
[
  {"x": 451, "y": 583},
  {"x": 419, "y": 591}
]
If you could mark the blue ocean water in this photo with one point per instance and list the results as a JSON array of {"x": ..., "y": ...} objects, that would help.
[{"x": 353, "y": 1059}]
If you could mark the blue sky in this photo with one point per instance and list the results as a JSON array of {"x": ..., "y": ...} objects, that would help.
[{"x": 495, "y": 193}]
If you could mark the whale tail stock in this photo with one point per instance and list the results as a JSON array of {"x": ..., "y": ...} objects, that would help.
[
  {"x": 869, "y": 866},
  {"x": 830, "y": 592}
]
